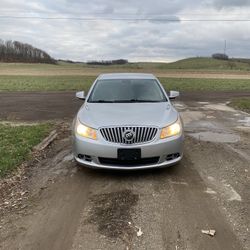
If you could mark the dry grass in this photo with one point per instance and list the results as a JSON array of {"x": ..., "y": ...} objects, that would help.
[{"x": 182, "y": 69}]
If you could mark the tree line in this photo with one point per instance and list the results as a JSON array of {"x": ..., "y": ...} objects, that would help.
[
  {"x": 14, "y": 51},
  {"x": 220, "y": 56},
  {"x": 108, "y": 62}
]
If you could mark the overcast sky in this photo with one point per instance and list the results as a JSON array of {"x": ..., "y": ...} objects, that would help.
[{"x": 160, "y": 34}]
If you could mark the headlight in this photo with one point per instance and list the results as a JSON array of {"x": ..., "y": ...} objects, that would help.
[
  {"x": 173, "y": 129},
  {"x": 85, "y": 131}
]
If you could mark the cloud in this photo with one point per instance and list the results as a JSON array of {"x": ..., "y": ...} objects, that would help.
[
  {"x": 230, "y": 3},
  {"x": 163, "y": 36}
]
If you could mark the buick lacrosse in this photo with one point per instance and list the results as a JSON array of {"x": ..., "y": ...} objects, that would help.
[{"x": 127, "y": 122}]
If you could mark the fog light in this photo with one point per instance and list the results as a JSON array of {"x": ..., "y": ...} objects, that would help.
[
  {"x": 171, "y": 157},
  {"x": 85, "y": 157},
  {"x": 80, "y": 156}
]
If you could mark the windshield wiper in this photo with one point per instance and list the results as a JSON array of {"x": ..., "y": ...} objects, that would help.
[
  {"x": 146, "y": 101},
  {"x": 124, "y": 101},
  {"x": 101, "y": 101},
  {"x": 134, "y": 100}
]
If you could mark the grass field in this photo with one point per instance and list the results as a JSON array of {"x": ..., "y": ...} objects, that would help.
[
  {"x": 187, "y": 65},
  {"x": 62, "y": 83},
  {"x": 45, "y": 83},
  {"x": 241, "y": 103},
  {"x": 187, "y": 74},
  {"x": 208, "y": 64},
  {"x": 16, "y": 144}
]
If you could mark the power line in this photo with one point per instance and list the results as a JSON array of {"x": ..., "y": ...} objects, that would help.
[
  {"x": 130, "y": 15},
  {"x": 125, "y": 19},
  {"x": 3, "y": 12}
]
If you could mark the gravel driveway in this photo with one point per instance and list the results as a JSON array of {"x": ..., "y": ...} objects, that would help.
[{"x": 63, "y": 206}]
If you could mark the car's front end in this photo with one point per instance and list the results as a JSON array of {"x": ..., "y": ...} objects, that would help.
[
  {"x": 109, "y": 151},
  {"x": 128, "y": 136}
]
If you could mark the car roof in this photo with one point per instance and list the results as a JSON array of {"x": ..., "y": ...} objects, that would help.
[{"x": 126, "y": 76}]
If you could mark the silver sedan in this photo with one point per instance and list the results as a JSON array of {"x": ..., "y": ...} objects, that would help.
[{"x": 127, "y": 122}]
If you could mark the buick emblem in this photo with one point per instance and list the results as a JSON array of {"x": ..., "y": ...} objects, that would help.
[{"x": 128, "y": 135}]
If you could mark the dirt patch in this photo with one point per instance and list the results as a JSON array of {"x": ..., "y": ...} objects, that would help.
[
  {"x": 15, "y": 188},
  {"x": 43, "y": 106},
  {"x": 112, "y": 213},
  {"x": 38, "y": 106}
]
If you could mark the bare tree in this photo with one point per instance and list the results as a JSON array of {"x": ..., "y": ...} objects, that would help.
[
  {"x": 108, "y": 62},
  {"x": 14, "y": 51}
]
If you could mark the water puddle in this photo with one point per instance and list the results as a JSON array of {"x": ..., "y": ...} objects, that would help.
[
  {"x": 219, "y": 107},
  {"x": 216, "y": 137},
  {"x": 190, "y": 116},
  {"x": 245, "y": 122}
]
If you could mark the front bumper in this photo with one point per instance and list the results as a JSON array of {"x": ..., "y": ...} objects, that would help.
[{"x": 96, "y": 149}]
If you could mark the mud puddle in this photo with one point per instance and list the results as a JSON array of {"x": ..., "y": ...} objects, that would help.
[
  {"x": 111, "y": 213},
  {"x": 216, "y": 137}
]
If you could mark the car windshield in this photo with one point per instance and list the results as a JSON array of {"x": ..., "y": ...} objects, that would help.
[{"x": 127, "y": 90}]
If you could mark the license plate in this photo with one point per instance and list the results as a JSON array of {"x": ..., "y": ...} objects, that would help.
[{"x": 129, "y": 154}]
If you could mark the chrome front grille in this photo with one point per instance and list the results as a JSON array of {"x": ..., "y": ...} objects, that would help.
[{"x": 129, "y": 135}]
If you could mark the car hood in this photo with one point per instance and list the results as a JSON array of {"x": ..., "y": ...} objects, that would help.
[{"x": 98, "y": 115}]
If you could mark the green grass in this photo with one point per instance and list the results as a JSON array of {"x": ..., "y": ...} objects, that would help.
[
  {"x": 204, "y": 64},
  {"x": 241, "y": 104},
  {"x": 16, "y": 143},
  {"x": 74, "y": 83},
  {"x": 45, "y": 83},
  {"x": 195, "y": 84},
  {"x": 208, "y": 64}
]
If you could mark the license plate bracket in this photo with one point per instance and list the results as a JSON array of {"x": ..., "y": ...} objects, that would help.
[{"x": 125, "y": 154}]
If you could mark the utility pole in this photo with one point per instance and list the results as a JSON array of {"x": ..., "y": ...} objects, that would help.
[{"x": 225, "y": 47}]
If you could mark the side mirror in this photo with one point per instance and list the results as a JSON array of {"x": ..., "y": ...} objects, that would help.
[
  {"x": 80, "y": 95},
  {"x": 173, "y": 94}
]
